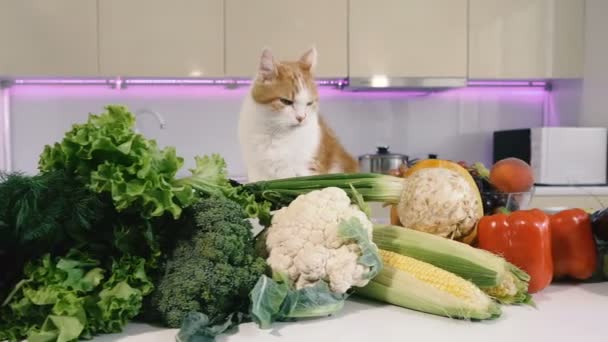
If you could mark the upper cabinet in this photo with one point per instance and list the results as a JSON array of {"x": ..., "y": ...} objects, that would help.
[
  {"x": 156, "y": 38},
  {"x": 48, "y": 38},
  {"x": 408, "y": 38},
  {"x": 524, "y": 39},
  {"x": 289, "y": 28},
  {"x": 410, "y": 42}
]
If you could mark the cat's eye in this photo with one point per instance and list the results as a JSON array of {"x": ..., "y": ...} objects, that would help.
[
  {"x": 286, "y": 101},
  {"x": 310, "y": 103}
]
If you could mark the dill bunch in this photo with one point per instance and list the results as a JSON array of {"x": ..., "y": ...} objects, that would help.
[
  {"x": 46, "y": 208},
  {"x": 46, "y": 213}
]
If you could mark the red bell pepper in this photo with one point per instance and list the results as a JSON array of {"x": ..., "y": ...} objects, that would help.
[
  {"x": 573, "y": 244},
  {"x": 523, "y": 238}
]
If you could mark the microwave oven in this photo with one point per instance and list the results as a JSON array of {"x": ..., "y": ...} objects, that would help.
[{"x": 558, "y": 155}]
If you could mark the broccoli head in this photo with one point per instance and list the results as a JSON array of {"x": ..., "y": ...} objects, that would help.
[{"x": 212, "y": 269}]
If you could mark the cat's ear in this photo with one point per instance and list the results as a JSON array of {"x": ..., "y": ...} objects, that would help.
[
  {"x": 267, "y": 68},
  {"x": 309, "y": 59}
]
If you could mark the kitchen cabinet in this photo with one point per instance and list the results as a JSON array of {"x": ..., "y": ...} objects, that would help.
[
  {"x": 48, "y": 38},
  {"x": 289, "y": 28},
  {"x": 526, "y": 39},
  {"x": 156, "y": 38},
  {"x": 407, "y": 38}
]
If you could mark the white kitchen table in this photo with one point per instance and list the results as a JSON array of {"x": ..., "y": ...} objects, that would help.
[{"x": 563, "y": 313}]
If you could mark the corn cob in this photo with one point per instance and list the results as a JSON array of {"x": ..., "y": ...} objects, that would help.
[
  {"x": 435, "y": 276},
  {"x": 420, "y": 286},
  {"x": 495, "y": 276}
]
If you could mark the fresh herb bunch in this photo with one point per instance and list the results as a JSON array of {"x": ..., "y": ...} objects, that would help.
[
  {"x": 40, "y": 214},
  {"x": 48, "y": 289},
  {"x": 46, "y": 209}
]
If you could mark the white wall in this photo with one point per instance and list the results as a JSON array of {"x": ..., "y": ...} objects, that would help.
[
  {"x": 566, "y": 103},
  {"x": 4, "y": 146},
  {"x": 200, "y": 119},
  {"x": 595, "y": 85}
]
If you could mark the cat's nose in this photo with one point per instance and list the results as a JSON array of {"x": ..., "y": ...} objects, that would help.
[{"x": 300, "y": 118}]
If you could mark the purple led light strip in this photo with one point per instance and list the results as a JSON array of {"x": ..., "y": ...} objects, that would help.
[
  {"x": 208, "y": 81},
  {"x": 140, "y": 81},
  {"x": 63, "y": 81},
  {"x": 185, "y": 81},
  {"x": 506, "y": 83}
]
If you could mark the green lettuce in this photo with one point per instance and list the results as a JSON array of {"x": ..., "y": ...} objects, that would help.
[
  {"x": 210, "y": 177},
  {"x": 109, "y": 156},
  {"x": 72, "y": 297}
]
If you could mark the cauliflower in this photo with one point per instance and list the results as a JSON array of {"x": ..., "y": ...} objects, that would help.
[{"x": 316, "y": 239}]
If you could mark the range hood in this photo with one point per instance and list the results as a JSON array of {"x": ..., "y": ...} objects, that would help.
[{"x": 399, "y": 83}]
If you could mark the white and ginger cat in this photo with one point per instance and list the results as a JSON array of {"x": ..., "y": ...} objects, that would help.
[{"x": 280, "y": 130}]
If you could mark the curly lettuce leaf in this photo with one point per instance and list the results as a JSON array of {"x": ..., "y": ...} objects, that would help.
[
  {"x": 59, "y": 329},
  {"x": 120, "y": 299},
  {"x": 69, "y": 298},
  {"x": 210, "y": 177},
  {"x": 109, "y": 156},
  {"x": 275, "y": 299},
  {"x": 49, "y": 303}
]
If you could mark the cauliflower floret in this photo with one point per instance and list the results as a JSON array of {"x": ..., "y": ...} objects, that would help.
[
  {"x": 304, "y": 241},
  {"x": 344, "y": 271}
]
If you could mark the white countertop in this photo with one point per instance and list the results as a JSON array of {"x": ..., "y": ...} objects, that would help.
[
  {"x": 563, "y": 313},
  {"x": 571, "y": 191}
]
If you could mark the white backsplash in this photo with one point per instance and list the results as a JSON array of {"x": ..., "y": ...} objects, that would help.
[
  {"x": 595, "y": 85},
  {"x": 457, "y": 124},
  {"x": 4, "y": 155}
]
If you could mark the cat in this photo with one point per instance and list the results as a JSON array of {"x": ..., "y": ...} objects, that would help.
[{"x": 281, "y": 132}]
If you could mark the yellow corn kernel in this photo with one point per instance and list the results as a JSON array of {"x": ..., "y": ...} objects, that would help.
[
  {"x": 506, "y": 289},
  {"x": 432, "y": 275}
]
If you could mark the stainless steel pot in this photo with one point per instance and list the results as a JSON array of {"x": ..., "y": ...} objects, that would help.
[{"x": 383, "y": 161}]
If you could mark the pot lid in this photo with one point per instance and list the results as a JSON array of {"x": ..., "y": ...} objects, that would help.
[{"x": 383, "y": 152}]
